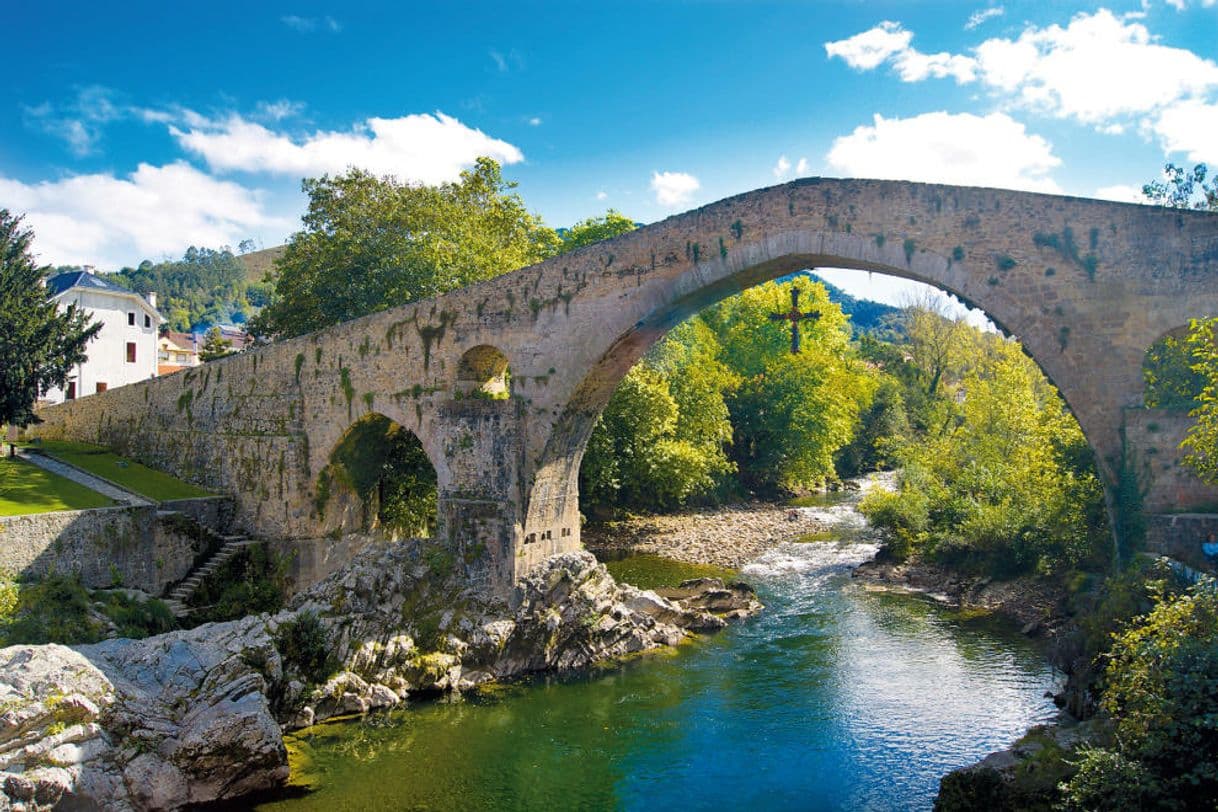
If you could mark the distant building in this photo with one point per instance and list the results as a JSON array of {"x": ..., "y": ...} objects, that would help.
[
  {"x": 124, "y": 350},
  {"x": 176, "y": 351},
  {"x": 237, "y": 337}
]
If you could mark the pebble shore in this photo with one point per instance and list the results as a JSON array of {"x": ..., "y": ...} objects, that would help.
[{"x": 725, "y": 537}]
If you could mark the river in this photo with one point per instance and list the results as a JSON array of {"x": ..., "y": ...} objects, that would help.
[{"x": 835, "y": 697}]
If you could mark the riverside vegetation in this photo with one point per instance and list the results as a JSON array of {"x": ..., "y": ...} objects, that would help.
[{"x": 996, "y": 480}]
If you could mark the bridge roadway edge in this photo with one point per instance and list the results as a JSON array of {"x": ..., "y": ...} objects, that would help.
[{"x": 1086, "y": 285}]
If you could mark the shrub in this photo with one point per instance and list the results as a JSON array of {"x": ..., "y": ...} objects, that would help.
[
  {"x": 53, "y": 610},
  {"x": 252, "y": 581},
  {"x": 1106, "y": 780},
  {"x": 305, "y": 647},
  {"x": 901, "y": 516},
  {"x": 1162, "y": 691}
]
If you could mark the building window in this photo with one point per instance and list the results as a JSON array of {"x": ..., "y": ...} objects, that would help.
[
  {"x": 101, "y": 387},
  {"x": 130, "y": 319},
  {"x": 130, "y": 352},
  {"x": 147, "y": 320},
  {"x": 71, "y": 395}
]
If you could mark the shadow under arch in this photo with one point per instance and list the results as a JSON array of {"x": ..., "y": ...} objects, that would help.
[
  {"x": 379, "y": 477},
  {"x": 555, "y": 485},
  {"x": 483, "y": 372}
]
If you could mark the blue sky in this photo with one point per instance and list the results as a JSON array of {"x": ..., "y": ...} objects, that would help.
[{"x": 133, "y": 130}]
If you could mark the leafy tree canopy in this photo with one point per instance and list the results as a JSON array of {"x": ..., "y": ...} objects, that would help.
[
  {"x": 39, "y": 345},
  {"x": 1181, "y": 189},
  {"x": 372, "y": 243},
  {"x": 1001, "y": 481},
  {"x": 595, "y": 229}
]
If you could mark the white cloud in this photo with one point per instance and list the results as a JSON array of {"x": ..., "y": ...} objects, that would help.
[
  {"x": 79, "y": 122},
  {"x": 535, "y": 121},
  {"x": 964, "y": 149},
  {"x": 1120, "y": 193},
  {"x": 109, "y": 221},
  {"x": 279, "y": 110},
  {"x": 423, "y": 148},
  {"x": 783, "y": 168},
  {"x": 980, "y": 16},
  {"x": 1181, "y": 5},
  {"x": 915, "y": 66},
  {"x": 871, "y": 48},
  {"x": 509, "y": 61},
  {"x": 674, "y": 188},
  {"x": 1098, "y": 69},
  {"x": 1190, "y": 127},
  {"x": 307, "y": 25},
  {"x": 602, "y": 195}
]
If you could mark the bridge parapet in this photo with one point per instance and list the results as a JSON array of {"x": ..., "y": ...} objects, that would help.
[{"x": 1086, "y": 285}]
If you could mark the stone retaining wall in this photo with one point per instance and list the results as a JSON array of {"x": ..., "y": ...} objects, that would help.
[
  {"x": 1152, "y": 438},
  {"x": 1179, "y": 535},
  {"x": 131, "y": 545}
]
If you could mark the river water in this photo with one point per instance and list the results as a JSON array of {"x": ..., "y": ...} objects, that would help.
[{"x": 836, "y": 697}]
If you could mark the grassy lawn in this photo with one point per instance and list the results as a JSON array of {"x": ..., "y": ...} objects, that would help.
[
  {"x": 26, "y": 488},
  {"x": 121, "y": 471}
]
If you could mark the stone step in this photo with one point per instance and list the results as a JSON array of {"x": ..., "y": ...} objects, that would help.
[{"x": 183, "y": 591}]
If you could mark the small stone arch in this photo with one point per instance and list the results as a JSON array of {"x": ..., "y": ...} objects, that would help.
[
  {"x": 1169, "y": 380},
  {"x": 483, "y": 372},
  {"x": 379, "y": 477}
]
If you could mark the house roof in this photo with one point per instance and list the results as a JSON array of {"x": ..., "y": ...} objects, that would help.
[
  {"x": 82, "y": 279},
  {"x": 64, "y": 282},
  {"x": 182, "y": 341}
]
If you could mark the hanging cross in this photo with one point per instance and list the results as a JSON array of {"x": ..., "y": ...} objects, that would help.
[{"x": 795, "y": 317}]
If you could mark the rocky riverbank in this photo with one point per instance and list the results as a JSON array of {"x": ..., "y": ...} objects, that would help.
[
  {"x": 724, "y": 537},
  {"x": 197, "y": 716},
  {"x": 1036, "y": 606}
]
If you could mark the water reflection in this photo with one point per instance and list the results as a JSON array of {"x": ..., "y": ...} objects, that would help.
[{"x": 835, "y": 698}]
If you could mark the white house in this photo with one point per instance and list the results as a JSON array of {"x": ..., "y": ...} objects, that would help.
[{"x": 124, "y": 350}]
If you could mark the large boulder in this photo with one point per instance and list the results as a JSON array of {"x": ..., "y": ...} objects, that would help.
[{"x": 178, "y": 719}]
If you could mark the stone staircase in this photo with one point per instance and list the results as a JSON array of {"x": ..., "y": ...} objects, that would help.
[{"x": 178, "y": 597}]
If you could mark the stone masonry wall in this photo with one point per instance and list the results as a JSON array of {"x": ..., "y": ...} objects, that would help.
[
  {"x": 1085, "y": 285},
  {"x": 1153, "y": 437},
  {"x": 130, "y": 545}
]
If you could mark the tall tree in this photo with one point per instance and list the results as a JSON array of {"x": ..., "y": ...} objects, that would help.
[
  {"x": 39, "y": 345},
  {"x": 372, "y": 243},
  {"x": 215, "y": 346}
]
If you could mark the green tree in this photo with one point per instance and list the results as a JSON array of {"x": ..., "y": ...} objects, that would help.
[
  {"x": 371, "y": 243},
  {"x": 641, "y": 455},
  {"x": 1202, "y": 437},
  {"x": 1004, "y": 484},
  {"x": 205, "y": 286},
  {"x": 1168, "y": 371},
  {"x": 791, "y": 413},
  {"x": 39, "y": 345},
  {"x": 595, "y": 229},
  {"x": 1181, "y": 189},
  {"x": 215, "y": 346}
]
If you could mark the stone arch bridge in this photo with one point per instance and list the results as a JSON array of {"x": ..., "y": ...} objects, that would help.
[{"x": 1086, "y": 285}]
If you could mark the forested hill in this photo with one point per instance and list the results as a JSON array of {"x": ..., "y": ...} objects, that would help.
[{"x": 865, "y": 315}]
